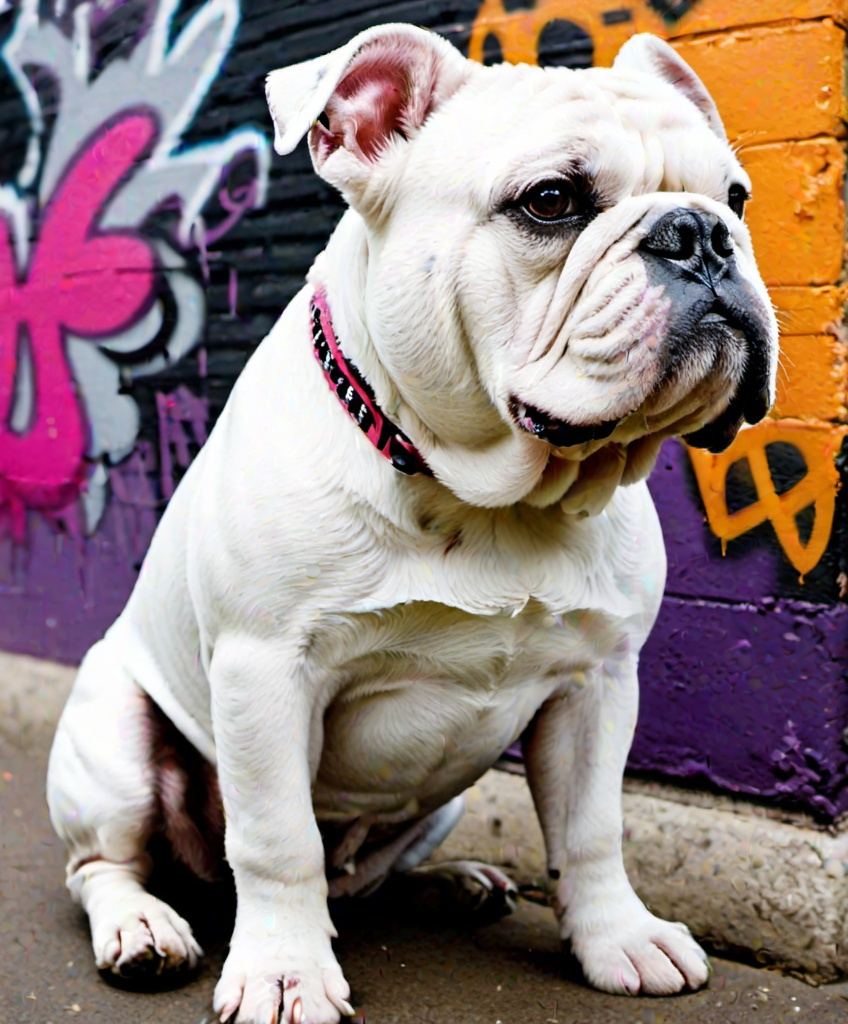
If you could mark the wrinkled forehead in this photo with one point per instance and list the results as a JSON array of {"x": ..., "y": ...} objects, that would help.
[{"x": 630, "y": 135}]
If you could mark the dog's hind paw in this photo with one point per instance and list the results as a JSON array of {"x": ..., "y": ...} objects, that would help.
[
  {"x": 645, "y": 955},
  {"x": 484, "y": 890},
  {"x": 142, "y": 937}
]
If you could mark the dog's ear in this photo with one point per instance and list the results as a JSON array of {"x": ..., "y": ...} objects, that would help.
[
  {"x": 355, "y": 101},
  {"x": 651, "y": 56}
]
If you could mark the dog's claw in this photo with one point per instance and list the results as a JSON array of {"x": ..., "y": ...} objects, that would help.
[
  {"x": 228, "y": 1014},
  {"x": 297, "y": 1011}
]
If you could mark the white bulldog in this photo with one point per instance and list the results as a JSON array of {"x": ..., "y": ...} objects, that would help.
[{"x": 405, "y": 543}]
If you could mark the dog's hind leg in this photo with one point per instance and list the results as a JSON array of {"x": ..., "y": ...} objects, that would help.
[
  {"x": 411, "y": 845},
  {"x": 478, "y": 887},
  {"x": 102, "y": 794}
]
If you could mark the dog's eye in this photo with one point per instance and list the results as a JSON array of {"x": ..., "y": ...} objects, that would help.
[
  {"x": 551, "y": 201},
  {"x": 736, "y": 197}
]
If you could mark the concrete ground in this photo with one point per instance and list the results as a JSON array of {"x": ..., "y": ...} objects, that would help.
[{"x": 410, "y": 958}]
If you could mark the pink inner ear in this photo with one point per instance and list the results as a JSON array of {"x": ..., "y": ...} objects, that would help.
[
  {"x": 378, "y": 92},
  {"x": 370, "y": 104}
]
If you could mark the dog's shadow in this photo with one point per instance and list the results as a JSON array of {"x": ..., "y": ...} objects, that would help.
[{"x": 411, "y": 921}]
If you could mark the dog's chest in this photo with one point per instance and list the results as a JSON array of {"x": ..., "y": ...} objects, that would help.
[
  {"x": 458, "y": 650},
  {"x": 435, "y": 697}
]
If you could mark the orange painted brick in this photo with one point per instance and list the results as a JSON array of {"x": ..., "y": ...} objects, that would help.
[
  {"x": 810, "y": 310},
  {"x": 797, "y": 216},
  {"x": 711, "y": 15},
  {"x": 811, "y": 379},
  {"x": 783, "y": 82},
  {"x": 517, "y": 30}
]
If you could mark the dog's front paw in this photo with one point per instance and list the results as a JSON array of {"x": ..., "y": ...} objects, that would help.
[
  {"x": 635, "y": 952},
  {"x": 263, "y": 983}
]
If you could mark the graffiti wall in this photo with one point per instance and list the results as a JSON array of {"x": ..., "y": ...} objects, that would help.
[
  {"x": 109, "y": 209},
  {"x": 148, "y": 242}
]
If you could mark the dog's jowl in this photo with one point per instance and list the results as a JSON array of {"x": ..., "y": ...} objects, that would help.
[{"x": 420, "y": 527}]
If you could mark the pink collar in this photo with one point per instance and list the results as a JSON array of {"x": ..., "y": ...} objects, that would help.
[{"x": 355, "y": 394}]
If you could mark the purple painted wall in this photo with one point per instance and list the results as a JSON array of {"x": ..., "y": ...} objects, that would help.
[
  {"x": 745, "y": 692},
  {"x": 744, "y": 678}
]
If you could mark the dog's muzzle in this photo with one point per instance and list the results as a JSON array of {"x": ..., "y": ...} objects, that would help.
[
  {"x": 714, "y": 345},
  {"x": 691, "y": 254}
]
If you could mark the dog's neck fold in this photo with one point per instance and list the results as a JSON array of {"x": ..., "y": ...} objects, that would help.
[
  {"x": 494, "y": 475},
  {"x": 508, "y": 469}
]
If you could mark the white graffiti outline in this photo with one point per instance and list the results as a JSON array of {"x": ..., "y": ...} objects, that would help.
[{"x": 172, "y": 81}]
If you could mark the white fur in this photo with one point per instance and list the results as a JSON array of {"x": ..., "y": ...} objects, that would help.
[{"x": 351, "y": 646}]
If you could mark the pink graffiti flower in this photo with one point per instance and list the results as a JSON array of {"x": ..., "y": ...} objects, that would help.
[{"x": 80, "y": 280}]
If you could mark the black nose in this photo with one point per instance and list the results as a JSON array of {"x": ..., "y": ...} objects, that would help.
[{"x": 697, "y": 244}]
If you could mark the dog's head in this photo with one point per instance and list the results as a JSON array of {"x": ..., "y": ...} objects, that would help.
[{"x": 559, "y": 273}]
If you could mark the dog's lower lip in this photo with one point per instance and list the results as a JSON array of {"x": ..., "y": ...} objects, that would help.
[
  {"x": 757, "y": 406},
  {"x": 717, "y": 436},
  {"x": 555, "y": 431}
]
